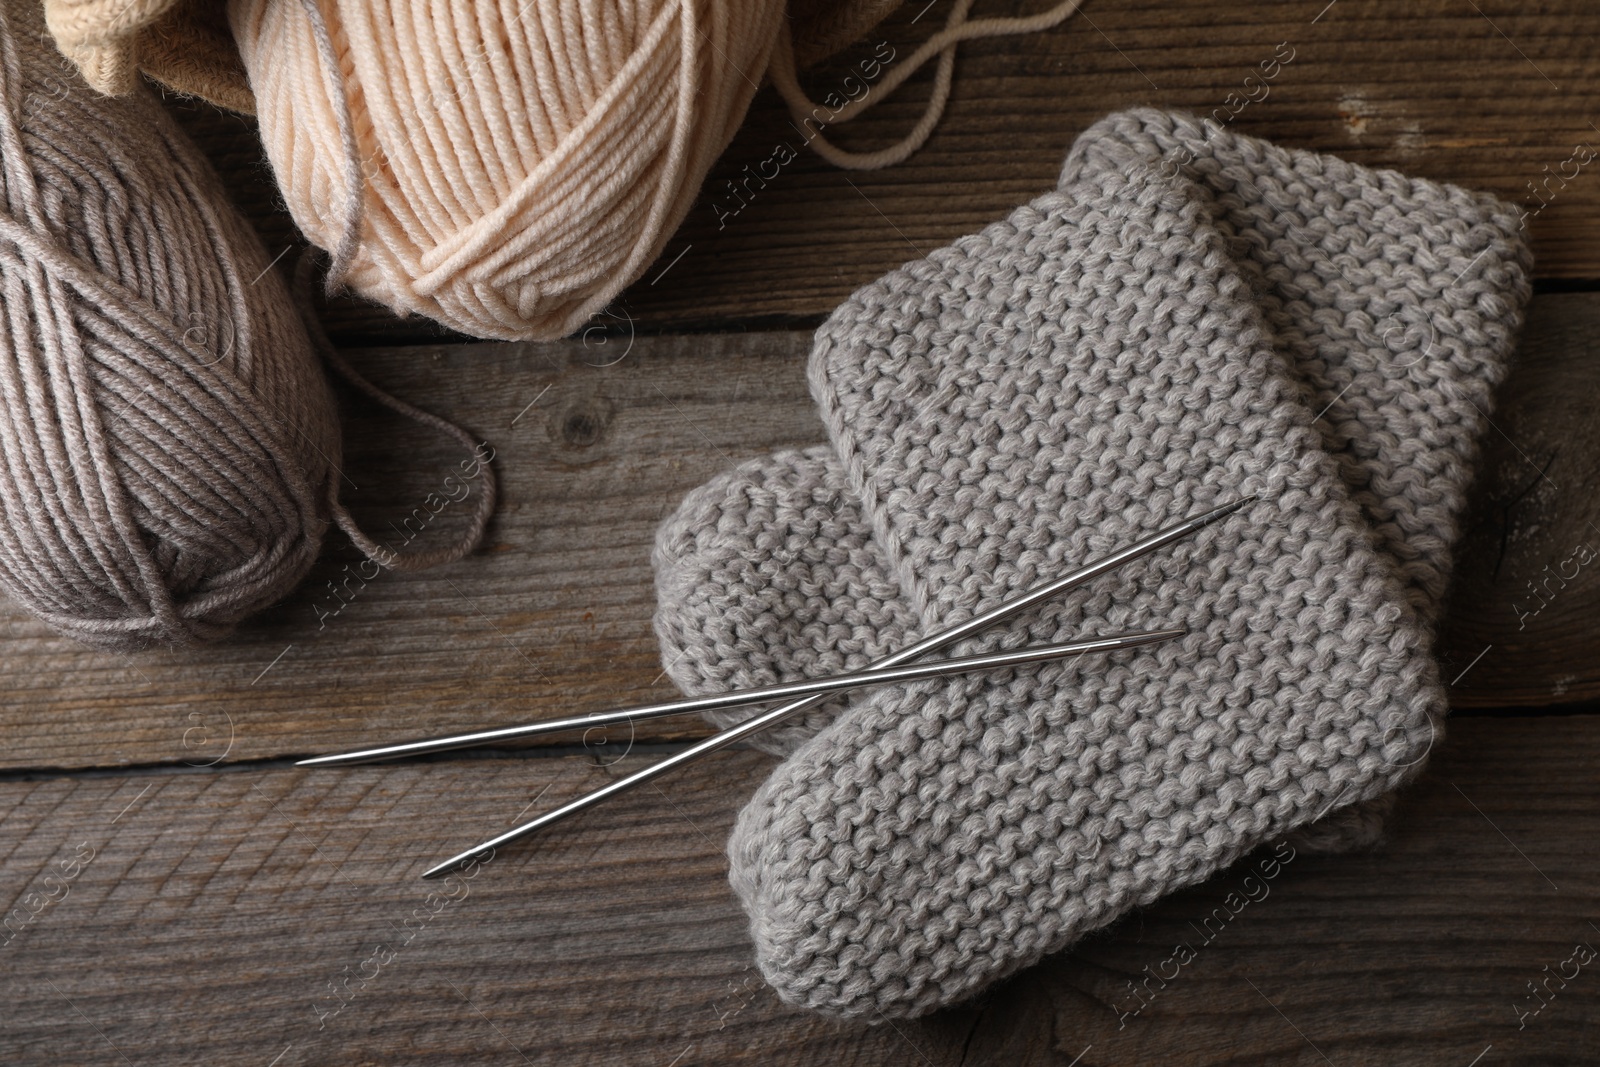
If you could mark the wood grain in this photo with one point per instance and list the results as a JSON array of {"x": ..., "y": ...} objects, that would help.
[
  {"x": 553, "y": 615},
  {"x": 1524, "y": 602},
  {"x": 1486, "y": 95},
  {"x": 277, "y": 917},
  {"x": 1417, "y": 953},
  {"x": 177, "y": 894},
  {"x": 211, "y": 916}
]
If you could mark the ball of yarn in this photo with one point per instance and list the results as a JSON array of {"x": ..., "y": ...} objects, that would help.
[
  {"x": 502, "y": 166},
  {"x": 168, "y": 438}
]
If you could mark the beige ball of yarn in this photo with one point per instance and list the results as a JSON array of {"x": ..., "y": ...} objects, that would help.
[
  {"x": 167, "y": 438},
  {"x": 501, "y": 166}
]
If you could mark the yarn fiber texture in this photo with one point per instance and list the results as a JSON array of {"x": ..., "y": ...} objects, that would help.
[
  {"x": 187, "y": 45},
  {"x": 1191, "y": 316},
  {"x": 504, "y": 168},
  {"x": 183, "y": 44},
  {"x": 769, "y": 572},
  {"x": 168, "y": 437},
  {"x": 507, "y": 168}
]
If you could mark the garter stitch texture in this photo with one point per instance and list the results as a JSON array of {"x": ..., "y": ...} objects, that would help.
[
  {"x": 1192, "y": 315},
  {"x": 168, "y": 438}
]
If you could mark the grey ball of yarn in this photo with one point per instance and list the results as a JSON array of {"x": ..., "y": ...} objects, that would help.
[{"x": 167, "y": 437}]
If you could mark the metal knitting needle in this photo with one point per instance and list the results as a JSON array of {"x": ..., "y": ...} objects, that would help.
[
  {"x": 785, "y": 711},
  {"x": 740, "y": 698}
]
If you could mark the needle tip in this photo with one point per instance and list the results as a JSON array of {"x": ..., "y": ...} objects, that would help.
[
  {"x": 454, "y": 863},
  {"x": 345, "y": 759},
  {"x": 1227, "y": 509},
  {"x": 1216, "y": 514}
]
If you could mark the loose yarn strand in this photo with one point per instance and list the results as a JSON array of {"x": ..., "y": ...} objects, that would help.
[
  {"x": 958, "y": 28},
  {"x": 375, "y": 550}
]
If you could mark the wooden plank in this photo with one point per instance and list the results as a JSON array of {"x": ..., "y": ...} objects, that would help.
[
  {"x": 1526, "y": 592},
  {"x": 551, "y": 617},
  {"x": 279, "y": 914},
  {"x": 1420, "y": 952},
  {"x": 203, "y": 918},
  {"x": 554, "y": 615},
  {"x": 1488, "y": 95}
]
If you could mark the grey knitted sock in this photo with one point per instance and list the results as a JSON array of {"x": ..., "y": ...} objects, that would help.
[
  {"x": 769, "y": 573},
  {"x": 1106, "y": 360}
]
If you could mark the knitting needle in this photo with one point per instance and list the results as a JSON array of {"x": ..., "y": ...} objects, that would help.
[
  {"x": 785, "y": 711},
  {"x": 740, "y": 698}
]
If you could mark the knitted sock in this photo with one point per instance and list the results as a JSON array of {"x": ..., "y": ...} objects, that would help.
[
  {"x": 1116, "y": 355},
  {"x": 768, "y": 572}
]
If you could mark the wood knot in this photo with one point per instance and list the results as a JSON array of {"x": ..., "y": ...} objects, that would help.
[{"x": 582, "y": 423}]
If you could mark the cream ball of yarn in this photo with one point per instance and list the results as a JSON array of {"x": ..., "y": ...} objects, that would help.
[
  {"x": 168, "y": 437},
  {"x": 504, "y": 167}
]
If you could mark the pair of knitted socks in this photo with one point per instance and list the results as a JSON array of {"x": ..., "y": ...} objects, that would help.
[{"x": 1191, "y": 317}]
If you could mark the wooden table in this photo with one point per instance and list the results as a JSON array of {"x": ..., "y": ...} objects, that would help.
[{"x": 211, "y": 903}]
